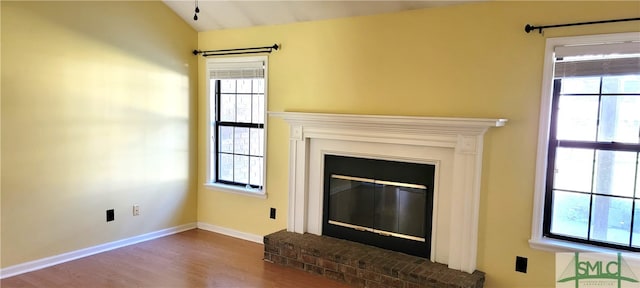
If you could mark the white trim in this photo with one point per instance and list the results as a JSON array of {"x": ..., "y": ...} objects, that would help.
[
  {"x": 557, "y": 245},
  {"x": 258, "y": 193},
  {"x": 412, "y": 126},
  {"x": 453, "y": 142},
  {"x": 537, "y": 240},
  {"x": 208, "y": 181},
  {"x": 630, "y": 47},
  {"x": 73, "y": 255},
  {"x": 231, "y": 232}
]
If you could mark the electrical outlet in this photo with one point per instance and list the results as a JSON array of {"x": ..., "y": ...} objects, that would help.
[
  {"x": 111, "y": 215},
  {"x": 521, "y": 264},
  {"x": 272, "y": 213},
  {"x": 136, "y": 210}
]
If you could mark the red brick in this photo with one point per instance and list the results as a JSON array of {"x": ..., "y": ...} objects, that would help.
[
  {"x": 369, "y": 275},
  {"x": 308, "y": 259},
  {"x": 339, "y": 260},
  {"x": 373, "y": 284},
  {"x": 272, "y": 249},
  {"x": 395, "y": 270},
  {"x": 348, "y": 269},
  {"x": 328, "y": 264},
  {"x": 295, "y": 263},
  {"x": 279, "y": 259},
  {"x": 392, "y": 282},
  {"x": 310, "y": 251},
  {"x": 289, "y": 253},
  {"x": 314, "y": 269},
  {"x": 411, "y": 285}
]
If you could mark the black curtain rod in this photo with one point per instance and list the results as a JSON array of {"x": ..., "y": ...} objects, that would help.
[
  {"x": 252, "y": 50},
  {"x": 528, "y": 28}
]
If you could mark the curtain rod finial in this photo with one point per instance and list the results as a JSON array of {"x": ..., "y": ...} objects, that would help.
[
  {"x": 196, "y": 52},
  {"x": 528, "y": 28}
]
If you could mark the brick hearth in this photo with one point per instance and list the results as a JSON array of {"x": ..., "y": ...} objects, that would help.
[{"x": 362, "y": 265}]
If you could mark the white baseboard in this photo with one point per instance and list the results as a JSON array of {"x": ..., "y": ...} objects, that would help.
[
  {"x": 230, "y": 232},
  {"x": 73, "y": 255}
]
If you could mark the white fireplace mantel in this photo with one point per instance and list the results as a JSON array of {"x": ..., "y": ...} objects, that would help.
[{"x": 454, "y": 145}]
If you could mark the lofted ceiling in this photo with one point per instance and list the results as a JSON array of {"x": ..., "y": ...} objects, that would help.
[{"x": 217, "y": 15}]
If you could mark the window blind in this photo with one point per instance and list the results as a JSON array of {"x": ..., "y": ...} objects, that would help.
[
  {"x": 236, "y": 70},
  {"x": 600, "y": 67},
  {"x": 597, "y": 60}
]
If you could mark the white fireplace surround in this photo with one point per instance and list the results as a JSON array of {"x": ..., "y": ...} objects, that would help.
[{"x": 453, "y": 145}]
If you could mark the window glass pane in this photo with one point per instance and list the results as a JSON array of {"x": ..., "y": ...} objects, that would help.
[
  {"x": 211, "y": 163},
  {"x": 577, "y": 117},
  {"x": 241, "y": 169},
  {"x": 638, "y": 178},
  {"x": 621, "y": 84},
  {"x": 635, "y": 241},
  {"x": 227, "y": 107},
  {"x": 227, "y": 86},
  {"x": 258, "y": 109},
  {"x": 244, "y": 86},
  {"x": 258, "y": 86},
  {"x": 570, "y": 214},
  {"x": 226, "y": 139},
  {"x": 580, "y": 85},
  {"x": 255, "y": 171},
  {"x": 619, "y": 119},
  {"x": 257, "y": 141},
  {"x": 244, "y": 108},
  {"x": 241, "y": 143},
  {"x": 614, "y": 172},
  {"x": 573, "y": 169},
  {"x": 225, "y": 167},
  {"x": 611, "y": 219}
]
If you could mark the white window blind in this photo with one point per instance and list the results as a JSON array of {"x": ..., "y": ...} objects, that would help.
[
  {"x": 597, "y": 60},
  {"x": 236, "y": 70}
]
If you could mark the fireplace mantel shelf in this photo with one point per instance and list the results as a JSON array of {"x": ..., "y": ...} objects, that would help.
[
  {"x": 446, "y": 125},
  {"x": 454, "y": 145}
]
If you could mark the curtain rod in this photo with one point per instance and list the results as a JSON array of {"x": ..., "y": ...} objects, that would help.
[
  {"x": 252, "y": 50},
  {"x": 528, "y": 28}
]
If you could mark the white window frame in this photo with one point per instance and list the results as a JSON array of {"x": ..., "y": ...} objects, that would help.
[
  {"x": 210, "y": 159},
  {"x": 538, "y": 240}
]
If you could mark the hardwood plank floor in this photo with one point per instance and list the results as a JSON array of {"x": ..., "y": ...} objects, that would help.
[{"x": 194, "y": 258}]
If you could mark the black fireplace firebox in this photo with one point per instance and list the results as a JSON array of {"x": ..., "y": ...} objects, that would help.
[{"x": 388, "y": 204}]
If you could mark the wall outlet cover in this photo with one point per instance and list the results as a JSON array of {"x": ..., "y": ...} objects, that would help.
[
  {"x": 521, "y": 264},
  {"x": 110, "y": 215}
]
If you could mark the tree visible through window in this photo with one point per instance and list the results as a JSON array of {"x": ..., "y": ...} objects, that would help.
[{"x": 593, "y": 174}]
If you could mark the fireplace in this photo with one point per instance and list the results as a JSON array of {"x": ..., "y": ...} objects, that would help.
[
  {"x": 383, "y": 203},
  {"x": 452, "y": 145}
]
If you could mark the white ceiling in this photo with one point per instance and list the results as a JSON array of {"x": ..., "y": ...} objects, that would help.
[{"x": 216, "y": 15}]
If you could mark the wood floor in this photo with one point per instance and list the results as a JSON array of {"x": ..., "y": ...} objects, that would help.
[{"x": 195, "y": 258}]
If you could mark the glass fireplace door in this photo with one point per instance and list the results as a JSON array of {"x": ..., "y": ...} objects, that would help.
[{"x": 382, "y": 207}]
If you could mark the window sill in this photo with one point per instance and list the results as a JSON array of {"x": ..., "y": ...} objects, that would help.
[
  {"x": 555, "y": 245},
  {"x": 236, "y": 190}
]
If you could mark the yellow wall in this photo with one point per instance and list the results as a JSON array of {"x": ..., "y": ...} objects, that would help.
[
  {"x": 98, "y": 112},
  {"x": 470, "y": 60}
]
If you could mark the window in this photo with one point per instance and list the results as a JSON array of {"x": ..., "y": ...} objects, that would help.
[
  {"x": 589, "y": 177},
  {"x": 237, "y": 106}
]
